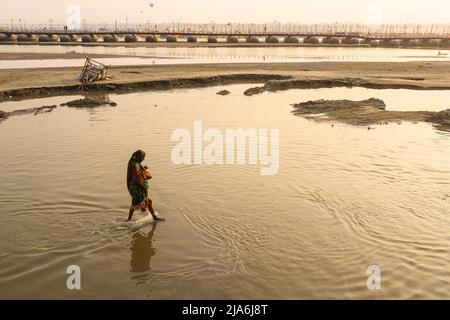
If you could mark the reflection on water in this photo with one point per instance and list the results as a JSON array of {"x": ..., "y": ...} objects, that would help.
[
  {"x": 344, "y": 198},
  {"x": 141, "y": 253},
  {"x": 185, "y": 55}
]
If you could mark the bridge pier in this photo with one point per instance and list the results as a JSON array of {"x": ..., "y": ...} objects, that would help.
[
  {"x": 110, "y": 38},
  {"x": 252, "y": 39},
  {"x": 24, "y": 37},
  {"x": 433, "y": 42},
  {"x": 272, "y": 39},
  {"x": 43, "y": 38},
  {"x": 331, "y": 40},
  {"x": 87, "y": 38},
  {"x": 311, "y": 40},
  {"x": 171, "y": 38},
  {"x": 392, "y": 42},
  {"x": 12, "y": 37},
  {"x": 412, "y": 42},
  {"x": 232, "y": 39},
  {"x": 375, "y": 42},
  {"x": 130, "y": 38},
  {"x": 65, "y": 38},
  {"x": 212, "y": 39},
  {"x": 151, "y": 38},
  {"x": 291, "y": 39},
  {"x": 191, "y": 39},
  {"x": 352, "y": 40}
]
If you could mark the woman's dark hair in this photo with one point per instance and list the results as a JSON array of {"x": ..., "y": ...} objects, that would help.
[{"x": 140, "y": 155}]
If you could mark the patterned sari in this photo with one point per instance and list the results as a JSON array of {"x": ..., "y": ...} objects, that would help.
[{"x": 135, "y": 181}]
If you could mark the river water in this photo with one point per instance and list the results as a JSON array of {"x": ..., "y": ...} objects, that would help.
[
  {"x": 160, "y": 55},
  {"x": 344, "y": 198}
]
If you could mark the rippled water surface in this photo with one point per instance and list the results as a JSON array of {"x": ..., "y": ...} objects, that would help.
[
  {"x": 187, "y": 55},
  {"x": 344, "y": 198}
]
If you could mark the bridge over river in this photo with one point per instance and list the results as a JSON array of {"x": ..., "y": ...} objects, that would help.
[{"x": 389, "y": 36}]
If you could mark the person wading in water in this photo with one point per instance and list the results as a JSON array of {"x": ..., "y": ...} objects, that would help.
[{"x": 137, "y": 185}]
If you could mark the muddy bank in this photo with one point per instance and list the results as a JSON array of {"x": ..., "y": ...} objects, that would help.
[
  {"x": 35, "y": 111},
  {"x": 279, "y": 85},
  {"x": 365, "y": 113},
  {"x": 441, "y": 119},
  {"x": 223, "y": 92},
  {"x": 104, "y": 86},
  {"x": 87, "y": 102}
]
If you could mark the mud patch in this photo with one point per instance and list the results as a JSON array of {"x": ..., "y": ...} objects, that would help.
[
  {"x": 365, "y": 112},
  {"x": 442, "y": 119},
  {"x": 126, "y": 87},
  {"x": 88, "y": 103},
  {"x": 278, "y": 85}
]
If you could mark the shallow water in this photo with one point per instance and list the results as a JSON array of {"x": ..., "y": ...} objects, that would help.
[
  {"x": 187, "y": 55},
  {"x": 344, "y": 198}
]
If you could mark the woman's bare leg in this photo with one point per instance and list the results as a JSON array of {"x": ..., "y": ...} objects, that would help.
[
  {"x": 150, "y": 208},
  {"x": 130, "y": 214}
]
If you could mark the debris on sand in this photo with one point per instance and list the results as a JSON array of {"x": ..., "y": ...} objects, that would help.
[
  {"x": 3, "y": 114},
  {"x": 88, "y": 103},
  {"x": 223, "y": 92},
  {"x": 365, "y": 112},
  {"x": 93, "y": 71}
]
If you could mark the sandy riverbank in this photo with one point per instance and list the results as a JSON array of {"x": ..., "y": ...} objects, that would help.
[{"x": 21, "y": 83}]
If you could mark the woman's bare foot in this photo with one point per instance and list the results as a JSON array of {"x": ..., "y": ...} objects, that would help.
[{"x": 156, "y": 218}]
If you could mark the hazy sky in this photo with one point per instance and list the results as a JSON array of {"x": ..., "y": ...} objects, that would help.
[{"x": 307, "y": 11}]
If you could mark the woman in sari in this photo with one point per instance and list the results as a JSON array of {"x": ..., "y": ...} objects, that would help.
[{"x": 137, "y": 186}]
